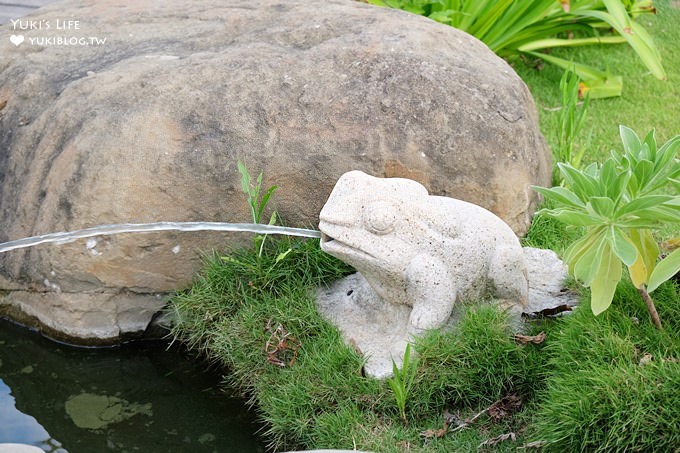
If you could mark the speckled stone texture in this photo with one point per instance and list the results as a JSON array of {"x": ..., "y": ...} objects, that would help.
[{"x": 419, "y": 256}]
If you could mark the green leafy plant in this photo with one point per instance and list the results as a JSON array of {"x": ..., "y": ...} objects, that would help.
[
  {"x": 512, "y": 27},
  {"x": 257, "y": 202},
  {"x": 619, "y": 204},
  {"x": 402, "y": 381},
  {"x": 569, "y": 124}
]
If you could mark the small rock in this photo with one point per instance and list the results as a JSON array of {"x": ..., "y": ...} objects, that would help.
[{"x": 547, "y": 276}]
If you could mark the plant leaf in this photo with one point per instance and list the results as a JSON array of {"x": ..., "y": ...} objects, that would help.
[
  {"x": 604, "y": 284},
  {"x": 586, "y": 267},
  {"x": 644, "y": 172},
  {"x": 645, "y": 202},
  {"x": 558, "y": 42},
  {"x": 577, "y": 249},
  {"x": 584, "y": 72},
  {"x": 665, "y": 212},
  {"x": 407, "y": 355},
  {"x": 665, "y": 269},
  {"x": 631, "y": 142},
  {"x": 282, "y": 255},
  {"x": 581, "y": 182},
  {"x": 667, "y": 152},
  {"x": 637, "y": 37},
  {"x": 263, "y": 202},
  {"x": 622, "y": 246},
  {"x": 571, "y": 216},
  {"x": 602, "y": 88},
  {"x": 245, "y": 177},
  {"x": 598, "y": 84},
  {"x": 602, "y": 206},
  {"x": 560, "y": 195},
  {"x": 648, "y": 252}
]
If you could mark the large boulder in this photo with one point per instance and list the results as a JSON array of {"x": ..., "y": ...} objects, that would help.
[{"x": 149, "y": 124}]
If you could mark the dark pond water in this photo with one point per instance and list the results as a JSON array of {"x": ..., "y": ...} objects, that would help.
[{"x": 138, "y": 398}]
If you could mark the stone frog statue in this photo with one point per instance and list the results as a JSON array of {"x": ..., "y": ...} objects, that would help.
[{"x": 422, "y": 251}]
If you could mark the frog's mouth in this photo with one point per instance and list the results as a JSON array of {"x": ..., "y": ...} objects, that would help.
[
  {"x": 340, "y": 249},
  {"x": 329, "y": 243}
]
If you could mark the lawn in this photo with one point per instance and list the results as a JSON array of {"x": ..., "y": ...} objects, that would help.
[
  {"x": 646, "y": 103},
  {"x": 605, "y": 383}
]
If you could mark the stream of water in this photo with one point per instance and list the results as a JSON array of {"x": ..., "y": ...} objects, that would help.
[{"x": 120, "y": 228}]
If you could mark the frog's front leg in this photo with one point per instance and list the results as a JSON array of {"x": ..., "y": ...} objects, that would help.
[{"x": 432, "y": 293}]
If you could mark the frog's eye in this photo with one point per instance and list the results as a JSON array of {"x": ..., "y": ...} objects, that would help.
[{"x": 380, "y": 217}]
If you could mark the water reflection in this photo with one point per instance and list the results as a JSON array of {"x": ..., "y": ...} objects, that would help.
[
  {"x": 140, "y": 398},
  {"x": 22, "y": 428}
]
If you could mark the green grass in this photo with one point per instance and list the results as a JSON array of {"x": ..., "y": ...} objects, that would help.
[
  {"x": 646, "y": 103},
  {"x": 584, "y": 388},
  {"x": 322, "y": 399},
  {"x": 588, "y": 387},
  {"x": 600, "y": 394},
  {"x": 548, "y": 233}
]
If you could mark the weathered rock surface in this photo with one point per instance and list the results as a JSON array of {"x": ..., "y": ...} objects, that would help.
[
  {"x": 548, "y": 294},
  {"x": 148, "y": 126}
]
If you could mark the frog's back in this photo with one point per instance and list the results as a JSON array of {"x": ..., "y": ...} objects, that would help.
[{"x": 470, "y": 218}]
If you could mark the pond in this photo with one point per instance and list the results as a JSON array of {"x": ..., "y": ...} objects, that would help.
[{"x": 139, "y": 397}]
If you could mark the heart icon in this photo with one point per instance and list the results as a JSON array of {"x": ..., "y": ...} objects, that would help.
[{"x": 16, "y": 39}]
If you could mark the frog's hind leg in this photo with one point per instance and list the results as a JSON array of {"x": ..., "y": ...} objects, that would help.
[{"x": 508, "y": 274}]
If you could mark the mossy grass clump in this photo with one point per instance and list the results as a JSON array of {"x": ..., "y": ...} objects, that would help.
[
  {"x": 613, "y": 381},
  {"x": 256, "y": 316},
  {"x": 606, "y": 383},
  {"x": 548, "y": 233}
]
